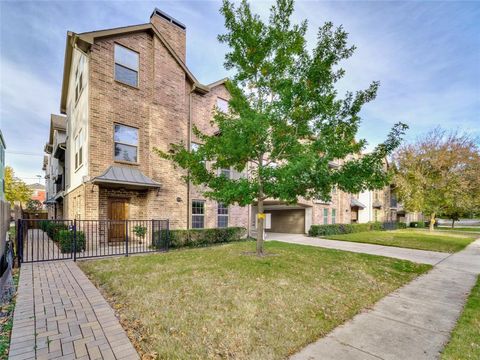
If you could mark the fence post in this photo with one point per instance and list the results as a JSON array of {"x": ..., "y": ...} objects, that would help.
[
  {"x": 126, "y": 237},
  {"x": 168, "y": 236},
  {"x": 74, "y": 239},
  {"x": 19, "y": 242}
]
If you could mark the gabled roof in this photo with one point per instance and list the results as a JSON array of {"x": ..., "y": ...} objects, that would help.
[{"x": 84, "y": 40}]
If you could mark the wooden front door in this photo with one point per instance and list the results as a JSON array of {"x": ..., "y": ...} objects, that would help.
[{"x": 117, "y": 214}]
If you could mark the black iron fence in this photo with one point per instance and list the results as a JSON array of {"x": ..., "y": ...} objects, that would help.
[{"x": 44, "y": 240}]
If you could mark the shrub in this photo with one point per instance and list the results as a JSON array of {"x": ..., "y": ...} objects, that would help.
[
  {"x": 417, "y": 224},
  {"x": 198, "y": 237},
  {"x": 65, "y": 240},
  {"x": 44, "y": 225},
  {"x": 336, "y": 229},
  {"x": 140, "y": 231},
  {"x": 377, "y": 226},
  {"x": 53, "y": 228}
]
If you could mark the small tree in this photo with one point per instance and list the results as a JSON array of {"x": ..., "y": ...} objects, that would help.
[
  {"x": 34, "y": 205},
  {"x": 285, "y": 124},
  {"x": 439, "y": 175},
  {"x": 15, "y": 189}
]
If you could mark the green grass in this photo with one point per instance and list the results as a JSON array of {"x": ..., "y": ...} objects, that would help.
[
  {"x": 465, "y": 340},
  {"x": 413, "y": 239},
  {"x": 221, "y": 302},
  {"x": 6, "y": 322},
  {"x": 462, "y": 228}
]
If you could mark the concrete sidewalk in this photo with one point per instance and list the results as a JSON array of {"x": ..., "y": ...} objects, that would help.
[
  {"x": 418, "y": 256},
  {"x": 60, "y": 314},
  {"x": 413, "y": 322}
]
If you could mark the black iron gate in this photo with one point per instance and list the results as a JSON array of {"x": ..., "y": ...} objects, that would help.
[{"x": 45, "y": 240}]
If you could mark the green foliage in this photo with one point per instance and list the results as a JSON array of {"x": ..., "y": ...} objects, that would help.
[
  {"x": 439, "y": 174},
  {"x": 198, "y": 237},
  {"x": 417, "y": 224},
  {"x": 338, "y": 229},
  {"x": 34, "y": 205},
  {"x": 286, "y": 122},
  {"x": 402, "y": 225},
  {"x": 140, "y": 231},
  {"x": 52, "y": 228},
  {"x": 15, "y": 189},
  {"x": 66, "y": 241}
]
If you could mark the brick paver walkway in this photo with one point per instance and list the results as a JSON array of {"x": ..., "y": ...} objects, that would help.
[{"x": 61, "y": 315}]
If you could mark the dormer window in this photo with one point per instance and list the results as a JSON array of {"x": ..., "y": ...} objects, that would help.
[
  {"x": 126, "y": 65},
  {"x": 222, "y": 105}
]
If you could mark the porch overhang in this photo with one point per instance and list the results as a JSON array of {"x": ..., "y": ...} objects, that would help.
[
  {"x": 355, "y": 203},
  {"x": 377, "y": 204},
  {"x": 123, "y": 177}
]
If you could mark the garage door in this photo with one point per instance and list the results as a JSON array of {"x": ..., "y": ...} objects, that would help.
[{"x": 288, "y": 221}]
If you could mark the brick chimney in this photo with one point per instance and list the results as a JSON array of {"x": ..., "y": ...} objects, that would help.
[{"x": 172, "y": 30}]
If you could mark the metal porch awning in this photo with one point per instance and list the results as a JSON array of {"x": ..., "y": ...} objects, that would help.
[
  {"x": 354, "y": 202},
  {"x": 117, "y": 176}
]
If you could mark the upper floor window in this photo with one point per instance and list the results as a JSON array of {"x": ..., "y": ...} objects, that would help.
[
  {"x": 79, "y": 149},
  {"x": 222, "y": 105},
  {"x": 126, "y": 143},
  {"x": 225, "y": 172},
  {"x": 222, "y": 215},
  {"x": 126, "y": 65},
  {"x": 79, "y": 77},
  {"x": 198, "y": 214}
]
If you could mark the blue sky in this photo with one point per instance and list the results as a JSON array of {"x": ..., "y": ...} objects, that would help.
[{"x": 425, "y": 54}]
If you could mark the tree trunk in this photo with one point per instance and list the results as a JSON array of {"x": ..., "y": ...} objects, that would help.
[
  {"x": 432, "y": 221},
  {"x": 260, "y": 227},
  {"x": 453, "y": 223}
]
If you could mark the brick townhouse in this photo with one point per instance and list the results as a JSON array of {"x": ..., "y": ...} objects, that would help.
[{"x": 126, "y": 91}]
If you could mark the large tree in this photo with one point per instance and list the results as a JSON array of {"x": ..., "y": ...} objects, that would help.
[
  {"x": 439, "y": 175},
  {"x": 286, "y": 123},
  {"x": 15, "y": 189}
]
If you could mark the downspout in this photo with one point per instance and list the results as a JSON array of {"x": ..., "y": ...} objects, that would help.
[{"x": 189, "y": 141}]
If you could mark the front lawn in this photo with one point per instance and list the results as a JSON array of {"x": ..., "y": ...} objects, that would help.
[
  {"x": 465, "y": 340},
  {"x": 220, "y": 302},
  {"x": 413, "y": 239}
]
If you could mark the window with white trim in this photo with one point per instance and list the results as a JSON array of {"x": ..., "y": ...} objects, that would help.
[
  {"x": 222, "y": 105},
  {"x": 79, "y": 77},
  {"x": 198, "y": 214},
  {"x": 334, "y": 216},
  {"x": 126, "y": 143},
  {"x": 325, "y": 216},
  {"x": 222, "y": 215},
  {"x": 126, "y": 65},
  {"x": 79, "y": 149}
]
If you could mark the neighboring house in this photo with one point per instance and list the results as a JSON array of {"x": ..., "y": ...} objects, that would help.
[
  {"x": 38, "y": 192},
  {"x": 54, "y": 166},
  {"x": 2, "y": 166}
]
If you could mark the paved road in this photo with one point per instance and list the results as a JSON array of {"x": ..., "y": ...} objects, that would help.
[
  {"x": 61, "y": 315},
  {"x": 413, "y": 322}
]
